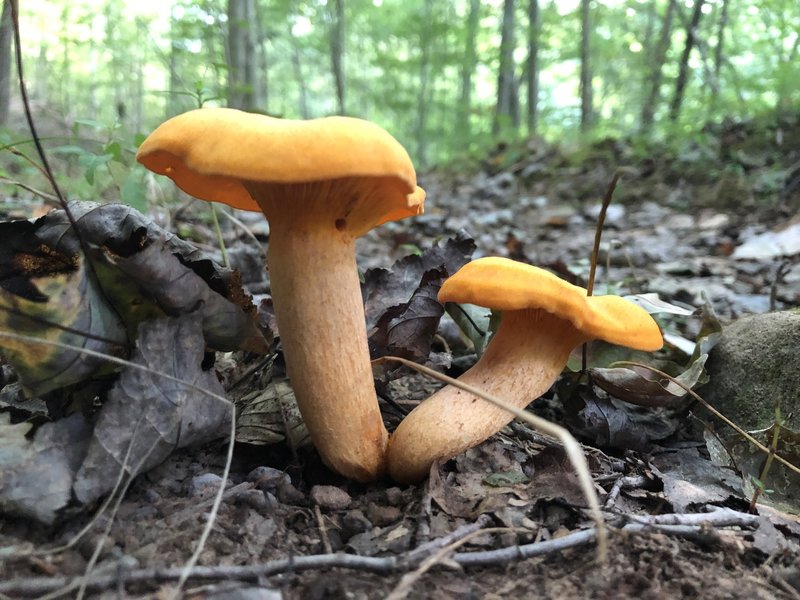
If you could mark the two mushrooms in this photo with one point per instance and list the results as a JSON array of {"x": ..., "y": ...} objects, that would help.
[{"x": 322, "y": 184}]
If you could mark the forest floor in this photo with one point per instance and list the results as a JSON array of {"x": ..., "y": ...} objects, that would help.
[{"x": 674, "y": 228}]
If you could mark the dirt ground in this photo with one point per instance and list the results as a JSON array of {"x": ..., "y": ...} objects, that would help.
[{"x": 673, "y": 231}]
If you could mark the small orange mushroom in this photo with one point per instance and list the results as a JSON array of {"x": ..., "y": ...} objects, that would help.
[
  {"x": 321, "y": 184},
  {"x": 544, "y": 318}
]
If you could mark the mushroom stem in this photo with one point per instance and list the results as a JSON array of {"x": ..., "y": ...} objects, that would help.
[
  {"x": 320, "y": 316},
  {"x": 522, "y": 361}
]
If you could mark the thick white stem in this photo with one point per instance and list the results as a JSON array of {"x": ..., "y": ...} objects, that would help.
[
  {"x": 521, "y": 362},
  {"x": 320, "y": 315}
]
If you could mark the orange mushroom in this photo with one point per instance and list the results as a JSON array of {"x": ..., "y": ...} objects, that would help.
[
  {"x": 544, "y": 318},
  {"x": 321, "y": 184}
]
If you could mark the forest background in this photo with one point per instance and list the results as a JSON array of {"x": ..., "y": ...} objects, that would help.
[{"x": 447, "y": 78}]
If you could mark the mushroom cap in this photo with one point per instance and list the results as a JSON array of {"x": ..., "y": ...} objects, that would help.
[
  {"x": 504, "y": 284},
  {"x": 209, "y": 152}
]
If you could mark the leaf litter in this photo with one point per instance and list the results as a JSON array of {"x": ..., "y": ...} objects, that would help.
[{"x": 517, "y": 476}]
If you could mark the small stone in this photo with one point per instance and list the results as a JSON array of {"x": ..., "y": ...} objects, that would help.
[
  {"x": 269, "y": 479},
  {"x": 288, "y": 494},
  {"x": 394, "y": 496},
  {"x": 204, "y": 486},
  {"x": 330, "y": 497},
  {"x": 261, "y": 502},
  {"x": 381, "y": 516},
  {"x": 353, "y": 523}
]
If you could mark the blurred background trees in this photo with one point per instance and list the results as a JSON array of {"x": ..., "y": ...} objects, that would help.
[{"x": 444, "y": 76}]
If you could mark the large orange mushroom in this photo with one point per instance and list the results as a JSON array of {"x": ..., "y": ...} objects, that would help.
[
  {"x": 543, "y": 319},
  {"x": 321, "y": 184}
]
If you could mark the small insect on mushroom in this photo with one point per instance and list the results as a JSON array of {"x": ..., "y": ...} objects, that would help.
[
  {"x": 321, "y": 184},
  {"x": 543, "y": 319}
]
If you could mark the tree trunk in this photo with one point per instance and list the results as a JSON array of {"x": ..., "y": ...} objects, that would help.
[
  {"x": 587, "y": 111},
  {"x": 423, "y": 96},
  {"x": 505, "y": 75},
  {"x": 718, "y": 54},
  {"x": 297, "y": 67},
  {"x": 118, "y": 76},
  {"x": 467, "y": 70},
  {"x": 534, "y": 26},
  {"x": 659, "y": 57},
  {"x": 64, "y": 78},
  {"x": 683, "y": 72},
  {"x": 337, "y": 51},
  {"x": 174, "y": 104},
  {"x": 243, "y": 52},
  {"x": 138, "y": 82},
  {"x": 6, "y": 34}
]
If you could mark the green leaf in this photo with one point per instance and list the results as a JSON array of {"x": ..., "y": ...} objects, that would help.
[
  {"x": 90, "y": 164},
  {"x": 133, "y": 192}
]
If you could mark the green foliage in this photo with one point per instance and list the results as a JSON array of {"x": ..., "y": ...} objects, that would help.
[{"x": 131, "y": 66}]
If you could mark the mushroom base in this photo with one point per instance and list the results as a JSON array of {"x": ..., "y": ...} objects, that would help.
[{"x": 521, "y": 362}]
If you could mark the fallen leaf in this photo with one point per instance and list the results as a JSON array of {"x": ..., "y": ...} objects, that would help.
[
  {"x": 642, "y": 387},
  {"x": 36, "y": 474},
  {"x": 147, "y": 416},
  {"x": 384, "y": 288},
  {"x": 691, "y": 479},
  {"x": 270, "y": 416},
  {"x": 407, "y": 329},
  {"x": 94, "y": 298},
  {"x": 611, "y": 423},
  {"x": 68, "y": 309}
]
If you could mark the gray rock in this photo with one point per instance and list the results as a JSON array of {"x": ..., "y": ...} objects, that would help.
[
  {"x": 204, "y": 486},
  {"x": 269, "y": 479},
  {"x": 330, "y": 497},
  {"x": 755, "y": 368}
]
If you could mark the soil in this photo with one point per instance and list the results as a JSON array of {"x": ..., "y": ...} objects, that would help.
[{"x": 674, "y": 231}]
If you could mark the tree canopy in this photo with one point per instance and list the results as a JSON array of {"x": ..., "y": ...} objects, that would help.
[{"x": 442, "y": 76}]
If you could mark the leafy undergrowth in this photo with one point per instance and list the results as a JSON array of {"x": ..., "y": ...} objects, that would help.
[{"x": 503, "y": 519}]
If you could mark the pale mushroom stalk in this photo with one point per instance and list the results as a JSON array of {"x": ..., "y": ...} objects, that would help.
[
  {"x": 526, "y": 355},
  {"x": 544, "y": 318},
  {"x": 320, "y": 315}
]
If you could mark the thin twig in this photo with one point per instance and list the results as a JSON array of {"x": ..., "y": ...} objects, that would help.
[
  {"x": 678, "y": 525},
  {"x": 571, "y": 446},
  {"x": 323, "y": 530},
  {"x": 598, "y": 233},
  {"x": 32, "y": 190},
  {"x": 407, "y": 581},
  {"x": 424, "y": 550},
  {"x": 220, "y": 238},
  {"x": 631, "y": 481}
]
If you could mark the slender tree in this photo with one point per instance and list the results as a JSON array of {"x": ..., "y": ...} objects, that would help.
[
  {"x": 297, "y": 68},
  {"x": 506, "y": 88},
  {"x": 468, "y": 65},
  {"x": 423, "y": 95},
  {"x": 534, "y": 26},
  {"x": 719, "y": 53},
  {"x": 242, "y": 55},
  {"x": 683, "y": 69},
  {"x": 6, "y": 30},
  {"x": 337, "y": 51},
  {"x": 65, "y": 73},
  {"x": 173, "y": 104},
  {"x": 587, "y": 110},
  {"x": 654, "y": 77}
]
